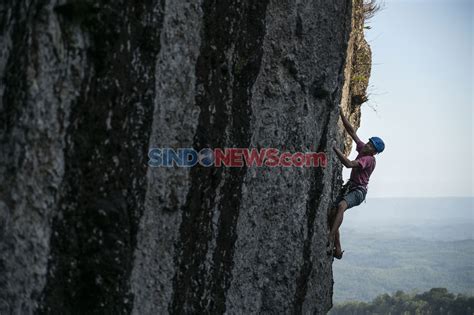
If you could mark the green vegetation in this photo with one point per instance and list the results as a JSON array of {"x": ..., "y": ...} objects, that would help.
[
  {"x": 360, "y": 78},
  {"x": 435, "y": 301}
]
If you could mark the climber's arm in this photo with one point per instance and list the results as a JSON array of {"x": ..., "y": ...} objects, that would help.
[
  {"x": 350, "y": 130},
  {"x": 345, "y": 161}
]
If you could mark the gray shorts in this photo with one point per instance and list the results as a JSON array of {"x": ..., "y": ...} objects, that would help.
[{"x": 353, "y": 196}]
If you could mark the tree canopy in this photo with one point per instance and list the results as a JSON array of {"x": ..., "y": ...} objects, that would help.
[{"x": 434, "y": 301}]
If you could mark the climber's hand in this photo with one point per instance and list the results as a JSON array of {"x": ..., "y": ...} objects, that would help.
[{"x": 344, "y": 160}]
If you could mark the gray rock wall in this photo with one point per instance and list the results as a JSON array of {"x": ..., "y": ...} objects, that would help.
[{"x": 88, "y": 87}]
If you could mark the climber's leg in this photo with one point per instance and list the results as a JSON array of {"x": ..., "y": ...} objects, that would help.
[
  {"x": 331, "y": 217},
  {"x": 337, "y": 246},
  {"x": 342, "y": 206},
  {"x": 337, "y": 241}
]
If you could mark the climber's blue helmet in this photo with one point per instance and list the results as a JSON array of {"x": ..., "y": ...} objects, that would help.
[{"x": 377, "y": 143}]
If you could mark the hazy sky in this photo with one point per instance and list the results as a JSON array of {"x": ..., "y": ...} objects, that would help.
[{"x": 421, "y": 87}]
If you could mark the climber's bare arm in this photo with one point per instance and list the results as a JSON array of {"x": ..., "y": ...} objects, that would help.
[
  {"x": 350, "y": 130},
  {"x": 345, "y": 161}
]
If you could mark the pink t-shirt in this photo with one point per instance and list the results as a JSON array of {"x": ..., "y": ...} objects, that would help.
[{"x": 360, "y": 175}]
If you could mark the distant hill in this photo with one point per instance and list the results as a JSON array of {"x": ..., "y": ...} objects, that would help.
[{"x": 405, "y": 244}]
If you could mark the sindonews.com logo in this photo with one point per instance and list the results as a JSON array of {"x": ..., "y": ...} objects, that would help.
[{"x": 234, "y": 157}]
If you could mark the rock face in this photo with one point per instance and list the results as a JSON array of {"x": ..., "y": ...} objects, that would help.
[{"x": 88, "y": 87}]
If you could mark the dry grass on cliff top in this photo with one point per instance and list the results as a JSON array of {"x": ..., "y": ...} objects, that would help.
[{"x": 371, "y": 7}]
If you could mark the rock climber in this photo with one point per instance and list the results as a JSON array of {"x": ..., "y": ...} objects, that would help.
[{"x": 355, "y": 190}]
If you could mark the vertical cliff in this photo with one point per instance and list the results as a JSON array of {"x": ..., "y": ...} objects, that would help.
[
  {"x": 358, "y": 66},
  {"x": 88, "y": 87}
]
